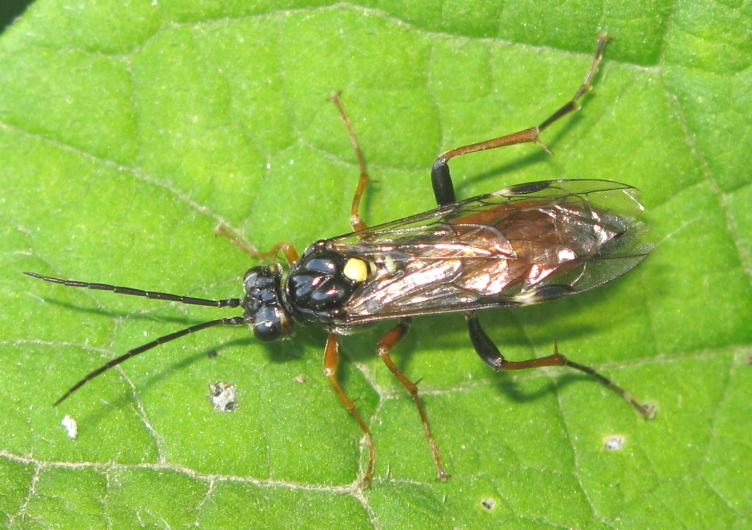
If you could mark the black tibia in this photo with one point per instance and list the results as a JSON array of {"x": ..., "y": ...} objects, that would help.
[
  {"x": 486, "y": 349},
  {"x": 441, "y": 180}
]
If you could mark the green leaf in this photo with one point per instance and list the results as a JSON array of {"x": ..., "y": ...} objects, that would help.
[{"x": 130, "y": 130}]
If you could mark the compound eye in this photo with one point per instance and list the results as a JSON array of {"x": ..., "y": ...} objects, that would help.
[
  {"x": 267, "y": 331},
  {"x": 261, "y": 278},
  {"x": 271, "y": 323}
]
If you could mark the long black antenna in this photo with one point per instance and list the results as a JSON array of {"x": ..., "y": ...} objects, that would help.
[
  {"x": 230, "y": 321},
  {"x": 230, "y": 302}
]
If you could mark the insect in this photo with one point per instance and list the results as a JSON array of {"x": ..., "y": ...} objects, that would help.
[{"x": 521, "y": 245}]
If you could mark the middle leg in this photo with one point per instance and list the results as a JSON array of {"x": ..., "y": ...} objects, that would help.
[
  {"x": 385, "y": 345},
  {"x": 331, "y": 358}
]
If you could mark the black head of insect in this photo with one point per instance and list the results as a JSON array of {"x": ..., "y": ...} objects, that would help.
[{"x": 265, "y": 311}]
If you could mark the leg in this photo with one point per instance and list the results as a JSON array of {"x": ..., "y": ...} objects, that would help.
[
  {"x": 492, "y": 357},
  {"x": 356, "y": 221},
  {"x": 441, "y": 180},
  {"x": 387, "y": 342},
  {"x": 331, "y": 356},
  {"x": 291, "y": 255}
]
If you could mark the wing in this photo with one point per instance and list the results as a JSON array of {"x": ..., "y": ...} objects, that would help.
[{"x": 520, "y": 245}]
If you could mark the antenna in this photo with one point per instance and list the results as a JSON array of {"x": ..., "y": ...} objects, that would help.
[{"x": 229, "y": 321}]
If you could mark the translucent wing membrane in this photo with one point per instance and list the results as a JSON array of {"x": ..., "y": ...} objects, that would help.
[{"x": 520, "y": 245}]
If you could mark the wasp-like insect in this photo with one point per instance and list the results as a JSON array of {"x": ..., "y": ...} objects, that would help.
[{"x": 521, "y": 245}]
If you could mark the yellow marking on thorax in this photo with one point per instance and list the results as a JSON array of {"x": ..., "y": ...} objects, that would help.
[{"x": 356, "y": 270}]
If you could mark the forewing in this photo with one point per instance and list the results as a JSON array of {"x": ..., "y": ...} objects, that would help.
[{"x": 520, "y": 245}]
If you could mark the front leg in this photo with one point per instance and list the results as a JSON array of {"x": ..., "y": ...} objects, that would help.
[{"x": 288, "y": 250}]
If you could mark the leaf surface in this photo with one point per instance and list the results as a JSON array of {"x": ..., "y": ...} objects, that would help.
[{"x": 130, "y": 130}]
